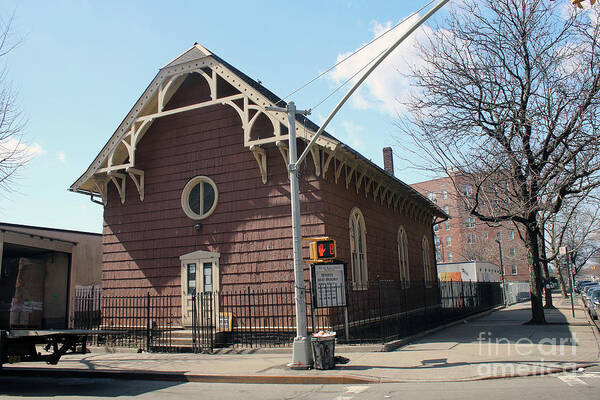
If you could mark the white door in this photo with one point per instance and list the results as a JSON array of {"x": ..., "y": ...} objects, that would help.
[{"x": 199, "y": 274}]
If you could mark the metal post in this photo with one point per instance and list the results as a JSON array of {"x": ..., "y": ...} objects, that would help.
[
  {"x": 302, "y": 354},
  {"x": 381, "y": 335},
  {"x": 502, "y": 272},
  {"x": 148, "y": 322},
  {"x": 572, "y": 281}
]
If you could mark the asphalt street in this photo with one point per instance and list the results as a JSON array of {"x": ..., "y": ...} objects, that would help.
[{"x": 584, "y": 385}]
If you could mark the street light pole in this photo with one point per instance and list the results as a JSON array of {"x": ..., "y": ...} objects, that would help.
[
  {"x": 502, "y": 273},
  {"x": 302, "y": 354}
]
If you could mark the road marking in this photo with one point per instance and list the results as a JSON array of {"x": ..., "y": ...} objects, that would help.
[
  {"x": 356, "y": 389},
  {"x": 351, "y": 391},
  {"x": 571, "y": 380}
]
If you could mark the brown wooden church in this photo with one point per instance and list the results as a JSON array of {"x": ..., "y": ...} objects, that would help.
[{"x": 196, "y": 194}]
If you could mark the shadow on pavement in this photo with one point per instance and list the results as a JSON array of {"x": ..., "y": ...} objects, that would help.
[
  {"x": 507, "y": 326},
  {"x": 77, "y": 387}
]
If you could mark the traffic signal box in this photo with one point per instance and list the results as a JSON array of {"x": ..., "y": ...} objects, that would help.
[{"x": 322, "y": 249}]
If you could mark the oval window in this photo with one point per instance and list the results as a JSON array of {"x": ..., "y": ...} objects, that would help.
[{"x": 199, "y": 198}]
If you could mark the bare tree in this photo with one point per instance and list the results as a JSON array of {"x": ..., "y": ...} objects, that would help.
[
  {"x": 14, "y": 153},
  {"x": 577, "y": 227},
  {"x": 507, "y": 99}
]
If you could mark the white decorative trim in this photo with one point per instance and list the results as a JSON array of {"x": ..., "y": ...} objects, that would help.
[
  {"x": 120, "y": 185},
  {"x": 284, "y": 150},
  {"x": 137, "y": 176},
  {"x": 261, "y": 159}
]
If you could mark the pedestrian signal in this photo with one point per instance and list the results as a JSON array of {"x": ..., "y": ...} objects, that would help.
[{"x": 322, "y": 249}]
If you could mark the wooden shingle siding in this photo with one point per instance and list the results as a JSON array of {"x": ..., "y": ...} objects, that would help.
[
  {"x": 382, "y": 225},
  {"x": 251, "y": 225}
]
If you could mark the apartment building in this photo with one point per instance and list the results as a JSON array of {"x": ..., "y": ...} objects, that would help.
[{"x": 464, "y": 238}]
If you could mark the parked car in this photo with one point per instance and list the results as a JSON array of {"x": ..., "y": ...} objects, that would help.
[
  {"x": 595, "y": 307},
  {"x": 579, "y": 284},
  {"x": 584, "y": 286},
  {"x": 591, "y": 294},
  {"x": 586, "y": 292}
]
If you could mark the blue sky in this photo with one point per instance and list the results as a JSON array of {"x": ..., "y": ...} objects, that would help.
[{"x": 81, "y": 65}]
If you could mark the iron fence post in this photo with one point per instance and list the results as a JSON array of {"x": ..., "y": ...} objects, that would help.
[
  {"x": 380, "y": 310},
  {"x": 148, "y": 338},
  {"x": 249, "y": 317}
]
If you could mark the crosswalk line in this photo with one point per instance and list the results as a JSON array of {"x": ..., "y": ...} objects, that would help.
[
  {"x": 571, "y": 380},
  {"x": 356, "y": 389}
]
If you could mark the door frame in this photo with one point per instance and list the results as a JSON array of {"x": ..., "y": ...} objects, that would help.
[{"x": 199, "y": 257}]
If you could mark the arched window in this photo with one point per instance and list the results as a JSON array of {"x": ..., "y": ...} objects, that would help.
[
  {"x": 403, "y": 258},
  {"x": 427, "y": 267},
  {"x": 358, "y": 249}
]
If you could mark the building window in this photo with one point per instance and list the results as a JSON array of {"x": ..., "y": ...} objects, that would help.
[
  {"x": 511, "y": 235},
  {"x": 511, "y": 251},
  {"x": 485, "y": 235},
  {"x": 358, "y": 249},
  {"x": 449, "y": 256},
  {"x": 470, "y": 238},
  {"x": 447, "y": 210},
  {"x": 199, "y": 197},
  {"x": 208, "y": 273},
  {"x": 513, "y": 269},
  {"x": 448, "y": 241},
  {"x": 444, "y": 194},
  {"x": 495, "y": 204},
  {"x": 191, "y": 278},
  {"x": 431, "y": 196},
  {"x": 447, "y": 224},
  {"x": 468, "y": 190},
  {"x": 469, "y": 222},
  {"x": 436, "y": 227},
  {"x": 403, "y": 258},
  {"x": 436, "y": 240},
  {"x": 427, "y": 267}
]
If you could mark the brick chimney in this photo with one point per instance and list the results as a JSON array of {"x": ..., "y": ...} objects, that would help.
[{"x": 388, "y": 160}]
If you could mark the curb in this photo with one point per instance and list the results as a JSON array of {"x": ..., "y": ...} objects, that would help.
[
  {"x": 258, "y": 379},
  {"x": 184, "y": 377}
]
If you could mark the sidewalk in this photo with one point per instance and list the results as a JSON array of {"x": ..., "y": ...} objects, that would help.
[{"x": 495, "y": 345}]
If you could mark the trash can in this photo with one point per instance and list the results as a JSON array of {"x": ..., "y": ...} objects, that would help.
[{"x": 323, "y": 346}]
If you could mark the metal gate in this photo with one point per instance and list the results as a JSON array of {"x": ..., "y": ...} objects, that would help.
[{"x": 203, "y": 322}]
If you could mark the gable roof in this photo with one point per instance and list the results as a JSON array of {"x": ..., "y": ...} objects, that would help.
[{"x": 200, "y": 56}]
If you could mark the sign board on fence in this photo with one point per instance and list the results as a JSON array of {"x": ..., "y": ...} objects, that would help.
[
  {"x": 225, "y": 321},
  {"x": 329, "y": 285}
]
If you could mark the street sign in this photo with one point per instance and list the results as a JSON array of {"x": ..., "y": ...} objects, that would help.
[{"x": 328, "y": 283}]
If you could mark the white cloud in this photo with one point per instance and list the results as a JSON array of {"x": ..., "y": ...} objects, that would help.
[
  {"x": 389, "y": 83},
  {"x": 27, "y": 151},
  {"x": 352, "y": 134},
  {"x": 61, "y": 157}
]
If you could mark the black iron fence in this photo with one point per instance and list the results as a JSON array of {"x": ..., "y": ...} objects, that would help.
[
  {"x": 144, "y": 322},
  {"x": 376, "y": 312}
]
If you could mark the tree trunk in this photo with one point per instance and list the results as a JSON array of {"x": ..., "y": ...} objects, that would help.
[
  {"x": 561, "y": 281},
  {"x": 548, "y": 292},
  {"x": 535, "y": 272}
]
